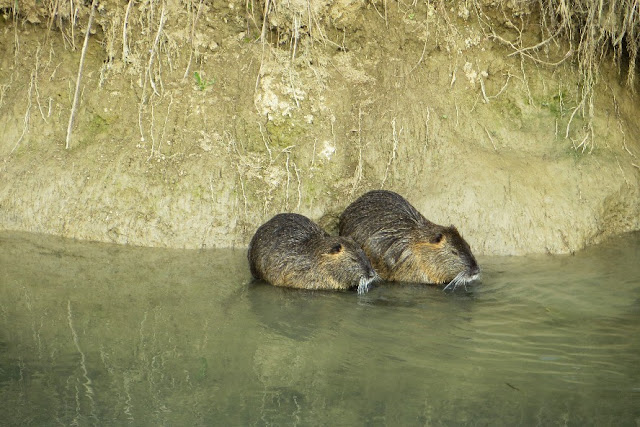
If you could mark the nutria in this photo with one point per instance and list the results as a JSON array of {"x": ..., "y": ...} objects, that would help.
[
  {"x": 403, "y": 245},
  {"x": 291, "y": 250}
]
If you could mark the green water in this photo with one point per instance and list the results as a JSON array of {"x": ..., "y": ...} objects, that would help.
[{"x": 94, "y": 334}]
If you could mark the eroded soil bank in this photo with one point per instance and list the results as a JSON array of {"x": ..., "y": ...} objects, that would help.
[{"x": 196, "y": 123}]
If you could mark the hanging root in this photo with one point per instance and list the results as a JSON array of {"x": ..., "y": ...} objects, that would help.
[
  {"x": 27, "y": 114},
  {"x": 593, "y": 30},
  {"x": 74, "y": 106}
]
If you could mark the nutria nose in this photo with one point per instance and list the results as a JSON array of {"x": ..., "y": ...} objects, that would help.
[{"x": 474, "y": 270}]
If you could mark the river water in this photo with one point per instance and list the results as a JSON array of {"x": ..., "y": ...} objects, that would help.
[{"x": 96, "y": 334}]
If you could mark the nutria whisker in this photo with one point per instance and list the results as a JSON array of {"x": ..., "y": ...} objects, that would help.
[
  {"x": 365, "y": 283},
  {"x": 456, "y": 281},
  {"x": 461, "y": 279},
  {"x": 363, "y": 286}
]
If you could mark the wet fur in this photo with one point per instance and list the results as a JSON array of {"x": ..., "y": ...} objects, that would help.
[
  {"x": 291, "y": 250},
  {"x": 403, "y": 245}
]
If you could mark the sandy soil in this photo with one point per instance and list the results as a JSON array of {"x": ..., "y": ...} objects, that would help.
[{"x": 202, "y": 123}]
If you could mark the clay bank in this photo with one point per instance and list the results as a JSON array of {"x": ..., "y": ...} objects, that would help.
[{"x": 187, "y": 124}]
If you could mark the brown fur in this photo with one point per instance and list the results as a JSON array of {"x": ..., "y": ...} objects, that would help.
[
  {"x": 290, "y": 250},
  {"x": 403, "y": 245}
]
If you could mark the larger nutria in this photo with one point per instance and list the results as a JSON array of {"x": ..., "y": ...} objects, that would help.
[
  {"x": 291, "y": 250},
  {"x": 403, "y": 245}
]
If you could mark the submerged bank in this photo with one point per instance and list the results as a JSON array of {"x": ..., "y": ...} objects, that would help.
[{"x": 204, "y": 123}]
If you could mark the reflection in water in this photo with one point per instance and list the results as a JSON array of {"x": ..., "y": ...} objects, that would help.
[{"x": 103, "y": 334}]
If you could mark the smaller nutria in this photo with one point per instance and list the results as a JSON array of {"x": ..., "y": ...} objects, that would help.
[
  {"x": 291, "y": 250},
  {"x": 403, "y": 245}
]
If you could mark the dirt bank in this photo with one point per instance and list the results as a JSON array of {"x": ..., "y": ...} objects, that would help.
[{"x": 195, "y": 122}]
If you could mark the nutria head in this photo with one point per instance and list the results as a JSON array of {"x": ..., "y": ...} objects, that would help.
[
  {"x": 341, "y": 261},
  {"x": 442, "y": 256}
]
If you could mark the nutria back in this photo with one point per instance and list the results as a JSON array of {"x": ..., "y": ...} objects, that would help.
[
  {"x": 291, "y": 250},
  {"x": 403, "y": 245}
]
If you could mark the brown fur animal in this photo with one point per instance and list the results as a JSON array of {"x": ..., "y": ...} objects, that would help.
[
  {"x": 291, "y": 250},
  {"x": 403, "y": 245}
]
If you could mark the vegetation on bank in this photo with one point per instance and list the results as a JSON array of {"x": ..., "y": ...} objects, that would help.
[
  {"x": 135, "y": 33},
  {"x": 195, "y": 120}
]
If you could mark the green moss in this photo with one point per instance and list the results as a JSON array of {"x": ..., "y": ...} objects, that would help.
[
  {"x": 197, "y": 192},
  {"x": 510, "y": 109},
  {"x": 556, "y": 105},
  {"x": 286, "y": 133},
  {"x": 98, "y": 125}
]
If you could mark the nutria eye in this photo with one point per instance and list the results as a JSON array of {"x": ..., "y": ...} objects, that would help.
[
  {"x": 454, "y": 252},
  {"x": 437, "y": 238},
  {"x": 337, "y": 248}
]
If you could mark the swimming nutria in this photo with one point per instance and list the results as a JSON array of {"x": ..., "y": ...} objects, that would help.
[
  {"x": 291, "y": 250},
  {"x": 403, "y": 245}
]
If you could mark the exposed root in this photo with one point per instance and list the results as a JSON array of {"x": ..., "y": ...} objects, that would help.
[
  {"x": 382, "y": 14},
  {"x": 244, "y": 197},
  {"x": 3, "y": 92},
  {"x": 358, "y": 172},
  {"x": 616, "y": 107},
  {"x": 74, "y": 105},
  {"x": 490, "y": 138},
  {"x": 125, "y": 27},
  {"x": 266, "y": 144},
  {"x": 140, "y": 115},
  {"x": 424, "y": 50},
  {"x": 575, "y": 110},
  {"x": 297, "y": 171},
  {"x": 482, "y": 89},
  {"x": 16, "y": 40},
  {"x": 287, "y": 152},
  {"x": 265, "y": 15},
  {"x": 192, "y": 36},
  {"x": 394, "y": 150},
  {"x": 152, "y": 132},
  {"x": 154, "y": 50},
  {"x": 27, "y": 114},
  {"x": 592, "y": 29},
  {"x": 35, "y": 80}
]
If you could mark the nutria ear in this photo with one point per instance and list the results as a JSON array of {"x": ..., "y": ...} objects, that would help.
[
  {"x": 336, "y": 249},
  {"x": 436, "y": 239}
]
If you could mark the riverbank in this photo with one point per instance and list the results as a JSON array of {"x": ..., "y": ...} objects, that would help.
[{"x": 204, "y": 123}]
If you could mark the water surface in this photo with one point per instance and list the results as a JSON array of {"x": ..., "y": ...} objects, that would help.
[{"x": 96, "y": 334}]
